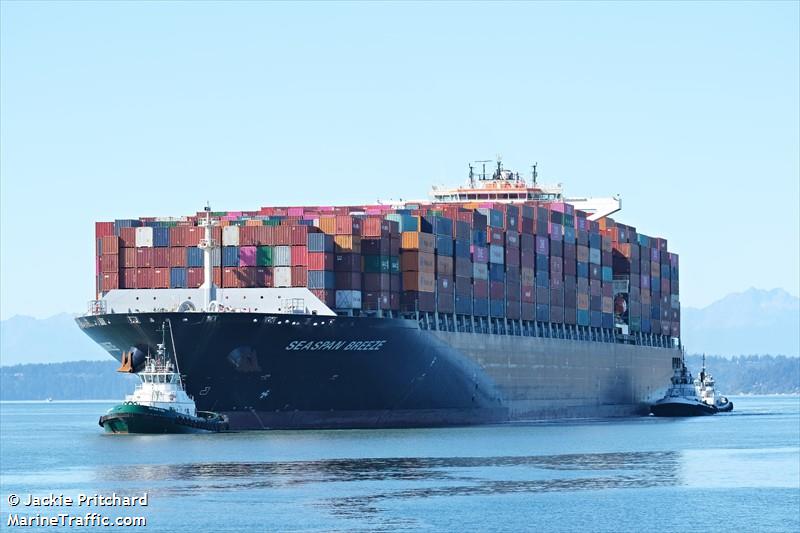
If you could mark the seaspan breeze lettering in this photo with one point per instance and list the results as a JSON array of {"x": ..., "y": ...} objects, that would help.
[{"x": 354, "y": 346}]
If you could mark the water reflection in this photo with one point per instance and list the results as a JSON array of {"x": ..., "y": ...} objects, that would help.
[{"x": 436, "y": 476}]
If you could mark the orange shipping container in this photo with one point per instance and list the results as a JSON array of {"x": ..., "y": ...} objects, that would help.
[
  {"x": 419, "y": 281},
  {"x": 109, "y": 263},
  {"x": 327, "y": 225},
  {"x": 414, "y": 240},
  {"x": 411, "y": 261},
  {"x": 347, "y": 244}
]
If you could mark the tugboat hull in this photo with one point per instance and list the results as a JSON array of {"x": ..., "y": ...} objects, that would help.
[
  {"x": 681, "y": 409},
  {"x": 133, "y": 418}
]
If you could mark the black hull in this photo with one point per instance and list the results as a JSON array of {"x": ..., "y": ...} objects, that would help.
[
  {"x": 284, "y": 371},
  {"x": 679, "y": 410}
]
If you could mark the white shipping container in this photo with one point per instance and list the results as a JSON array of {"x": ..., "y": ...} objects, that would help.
[
  {"x": 144, "y": 237},
  {"x": 496, "y": 254},
  {"x": 348, "y": 299},
  {"x": 480, "y": 271},
  {"x": 594, "y": 256},
  {"x": 282, "y": 276},
  {"x": 230, "y": 235},
  {"x": 282, "y": 256}
]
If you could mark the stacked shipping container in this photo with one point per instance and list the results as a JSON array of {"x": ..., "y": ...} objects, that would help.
[{"x": 543, "y": 262}]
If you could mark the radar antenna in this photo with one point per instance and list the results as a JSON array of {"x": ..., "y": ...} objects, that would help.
[
  {"x": 483, "y": 162},
  {"x": 534, "y": 174}
]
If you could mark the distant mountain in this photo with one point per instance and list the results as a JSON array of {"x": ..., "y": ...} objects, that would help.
[
  {"x": 24, "y": 339},
  {"x": 750, "y": 322},
  {"x": 745, "y": 323}
]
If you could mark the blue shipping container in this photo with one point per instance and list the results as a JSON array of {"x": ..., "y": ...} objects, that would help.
[
  {"x": 125, "y": 223},
  {"x": 497, "y": 308},
  {"x": 177, "y": 278},
  {"x": 461, "y": 249},
  {"x": 444, "y": 245},
  {"x": 480, "y": 307},
  {"x": 194, "y": 257},
  {"x": 583, "y": 317},
  {"x": 230, "y": 256},
  {"x": 543, "y": 312},
  {"x": 608, "y": 320},
  {"x": 320, "y": 242},
  {"x": 321, "y": 279},
  {"x": 496, "y": 272},
  {"x": 161, "y": 237},
  {"x": 595, "y": 319},
  {"x": 583, "y": 270}
]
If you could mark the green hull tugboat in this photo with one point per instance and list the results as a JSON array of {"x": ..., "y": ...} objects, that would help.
[{"x": 160, "y": 403}]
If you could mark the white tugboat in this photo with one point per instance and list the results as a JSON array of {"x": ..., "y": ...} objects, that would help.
[
  {"x": 681, "y": 398},
  {"x": 705, "y": 389},
  {"x": 160, "y": 403}
]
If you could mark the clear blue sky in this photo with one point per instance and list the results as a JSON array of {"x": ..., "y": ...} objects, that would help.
[{"x": 115, "y": 110}]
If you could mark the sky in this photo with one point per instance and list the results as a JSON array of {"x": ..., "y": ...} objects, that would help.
[{"x": 689, "y": 111}]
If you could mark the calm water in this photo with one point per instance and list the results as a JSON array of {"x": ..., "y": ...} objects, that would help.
[{"x": 730, "y": 472}]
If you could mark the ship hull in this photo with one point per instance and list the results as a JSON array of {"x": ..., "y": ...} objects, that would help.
[
  {"x": 289, "y": 371},
  {"x": 133, "y": 418}
]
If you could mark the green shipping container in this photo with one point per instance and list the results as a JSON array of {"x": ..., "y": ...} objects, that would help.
[
  {"x": 377, "y": 263},
  {"x": 394, "y": 264},
  {"x": 264, "y": 256}
]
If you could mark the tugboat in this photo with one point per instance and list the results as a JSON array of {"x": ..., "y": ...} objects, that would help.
[
  {"x": 160, "y": 403},
  {"x": 681, "y": 398},
  {"x": 705, "y": 389}
]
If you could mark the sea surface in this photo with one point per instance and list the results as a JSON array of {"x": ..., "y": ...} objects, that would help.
[{"x": 737, "y": 472}]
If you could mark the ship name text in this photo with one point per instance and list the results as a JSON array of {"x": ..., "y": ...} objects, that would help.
[{"x": 354, "y": 346}]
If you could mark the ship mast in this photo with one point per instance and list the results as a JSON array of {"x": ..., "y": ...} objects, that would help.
[{"x": 207, "y": 244}]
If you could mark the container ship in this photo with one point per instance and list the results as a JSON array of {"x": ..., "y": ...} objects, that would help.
[{"x": 499, "y": 300}]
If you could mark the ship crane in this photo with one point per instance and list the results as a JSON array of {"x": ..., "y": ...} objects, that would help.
[{"x": 207, "y": 244}]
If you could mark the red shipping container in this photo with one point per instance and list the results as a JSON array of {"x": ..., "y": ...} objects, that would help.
[
  {"x": 528, "y": 293},
  {"x": 109, "y": 244},
  {"x": 263, "y": 277},
  {"x": 300, "y": 234},
  {"x": 230, "y": 277},
  {"x": 348, "y": 225},
  {"x": 328, "y": 297},
  {"x": 377, "y": 227},
  {"x": 299, "y": 255},
  {"x": 497, "y": 290},
  {"x": 128, "y": 257},
  {"x": 109, "y": 281},
  {"x": 299, "y": 276},
  {"x": 176, "y": 236},
  {"x": 320, "y": 261},
  {"x": 109, "y": 263},
  {"x": 103, "y": 229},
  {"x": 194, "y": 277},
  {"x": 127, "y": 237},
  {"x": 247, "y": 276},
  {"x": 480, "y": 289},
  {"x": 160, "y": 257},
  {"x": 144, "y": 278},
  {"x": 127, "y": 278},
  {"x": 177, "y": 257},
  {"x": 283, "y": 235},
  {"x": 144, "y": 258},
  {"x": 161, "y": 277}
]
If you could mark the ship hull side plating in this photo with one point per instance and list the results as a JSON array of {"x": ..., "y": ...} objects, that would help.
[{"x": 288, "y": 371}]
